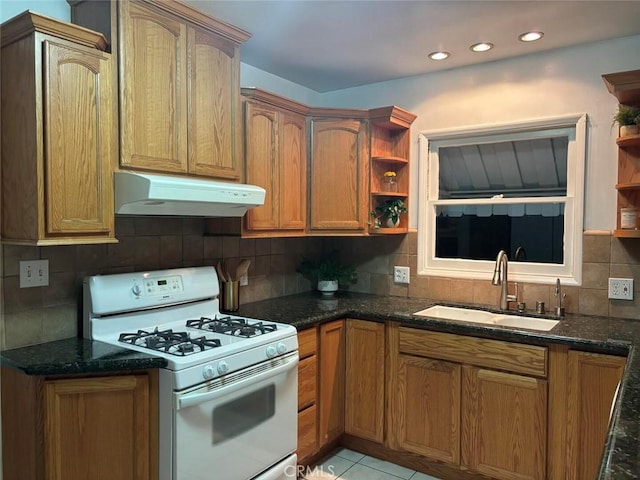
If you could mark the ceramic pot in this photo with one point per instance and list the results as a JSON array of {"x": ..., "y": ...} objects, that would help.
[
  {"x": 392, "y": 224},
  {"x": 327, "y": 287},
  {"x": 628, "y": 130}
]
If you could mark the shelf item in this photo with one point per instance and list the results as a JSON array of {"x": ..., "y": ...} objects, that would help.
[{"x": 625, "y": 86}]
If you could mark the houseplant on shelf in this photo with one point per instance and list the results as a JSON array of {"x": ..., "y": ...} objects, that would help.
[
  {"x": 329, "y": 273},
  {"x": 628, "y": 118},
  {"x": 390, "y": 212}
]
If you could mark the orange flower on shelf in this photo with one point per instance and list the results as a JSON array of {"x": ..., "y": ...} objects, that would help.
[{"x": 390, "y": 184}]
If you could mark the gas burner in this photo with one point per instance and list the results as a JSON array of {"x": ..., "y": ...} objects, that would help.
[
  {"x": 237, "y": 327},
  {"x": 175, "y": 343}
]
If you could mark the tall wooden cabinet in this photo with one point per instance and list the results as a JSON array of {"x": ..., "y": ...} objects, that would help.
[
  {"x": 57, "y": 143},
  {"x": 625, "y": 86},
  {"x": 276, "y": 159},
  {"x": 331, "y": 381},
  {"x": 364, "y": 380},
  {"x": 338, "y": 175},
  {"x": 78, "y": 428},
  {"x": 178, "y": 85}
]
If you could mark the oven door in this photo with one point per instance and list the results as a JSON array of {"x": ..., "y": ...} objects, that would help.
[{"x": 239, "y": 426}]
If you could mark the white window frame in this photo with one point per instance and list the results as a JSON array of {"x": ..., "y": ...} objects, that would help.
[{"x": 570, "y": 271}]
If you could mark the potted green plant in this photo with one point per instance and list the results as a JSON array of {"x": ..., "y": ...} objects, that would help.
[
  {"x": 329, "y": 273},
  {"x": 388, "y": 213},
  {"x": 628, "y": 119}
]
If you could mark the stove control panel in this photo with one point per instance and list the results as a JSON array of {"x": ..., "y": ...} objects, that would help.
[
  {"x": 275, "y": 350},
  {"x": 162, "y": 285}
]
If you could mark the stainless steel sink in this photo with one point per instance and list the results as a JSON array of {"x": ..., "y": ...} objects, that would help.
[{"x": 487, "y": 318}]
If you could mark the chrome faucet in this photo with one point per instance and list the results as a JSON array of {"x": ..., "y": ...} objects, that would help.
[
  {"x": 500, "y": 277},
  {"x": 559, "y": 299}
]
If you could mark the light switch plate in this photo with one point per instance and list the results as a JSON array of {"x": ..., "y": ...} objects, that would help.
[{"x": 34, "y": 273}]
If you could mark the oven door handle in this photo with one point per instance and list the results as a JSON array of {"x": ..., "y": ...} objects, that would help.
[{"x": 191, "y": 399}]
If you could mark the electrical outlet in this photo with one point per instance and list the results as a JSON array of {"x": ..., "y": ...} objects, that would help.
[
  {"x": 401, "y": 275},
  {"x": 34, "y": 273},
  {"x": 244, "y": 280},
  {"x": 621, "y": 288}
]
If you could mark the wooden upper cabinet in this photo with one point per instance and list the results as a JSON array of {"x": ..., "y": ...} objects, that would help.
[
  {"x": 153, "y": 89},
  {"x": 276, "y": 159},
  {"x": 214, "y": 118},
  {"x": 179, "y": 86},
  {"x": 339, "y": 175},
  {"x": 57, "y": 144}
]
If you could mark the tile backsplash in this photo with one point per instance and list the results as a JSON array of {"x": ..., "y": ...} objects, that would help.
[{"x": 41, "y": 314}]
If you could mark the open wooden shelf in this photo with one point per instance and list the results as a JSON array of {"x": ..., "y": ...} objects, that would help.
[
  {"x": 626, "y": 233},
  {"x": 629, "y": 141},
  {"x": 391, "y": 159}
]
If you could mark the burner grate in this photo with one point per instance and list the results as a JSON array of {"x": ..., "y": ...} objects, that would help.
[
  {"x": 168, "y": 341},
  {"x": 237, "y": 327}
]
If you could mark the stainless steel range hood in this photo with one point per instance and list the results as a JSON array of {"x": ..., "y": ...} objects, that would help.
[{"x": 151, "y": 194}]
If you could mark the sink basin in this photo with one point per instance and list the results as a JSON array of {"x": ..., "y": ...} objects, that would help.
[
  {"x": 454, "y": 313},
  {"x": 487, "y": 318}
]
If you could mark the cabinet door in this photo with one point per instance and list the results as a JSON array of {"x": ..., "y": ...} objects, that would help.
[
  {"x": 293, "y": 172},
  {"x": 592, "y": 381},
  {"x": 364, "y": 403},
  {"x": 78, "y": 154},
  {"x": 505, "y": 424},
  {"x": 307, "y": 430},
  {"x": 429, "y": 407},
  {"x": 153, "y": 90},
  {"x": 331, "y": 381},
  {"x": 213, "y": 104},
  {"x": 262, "y": 151},
  {"x": 97, "y": 428},
  {"x": 339, "y": 175}
]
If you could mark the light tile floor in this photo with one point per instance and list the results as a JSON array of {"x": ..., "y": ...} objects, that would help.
[{"x": 345, "y": 464}]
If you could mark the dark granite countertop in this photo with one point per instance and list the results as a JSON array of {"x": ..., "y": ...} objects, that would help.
[
  {"x": 77, "y": 356},
  {"x": 598, "y": 334}
]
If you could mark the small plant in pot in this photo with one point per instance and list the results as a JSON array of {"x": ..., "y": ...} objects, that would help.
[
  {"x": 388, "y": 213},
  {"x": 329, "y": 273},
  {"x": 628, "y": 118}
]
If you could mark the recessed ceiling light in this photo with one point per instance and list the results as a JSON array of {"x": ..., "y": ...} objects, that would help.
[
  {"x": 481, "y": 47},
  {"x": 530, "y": 36},
  {"x": 439, "y": 55}
]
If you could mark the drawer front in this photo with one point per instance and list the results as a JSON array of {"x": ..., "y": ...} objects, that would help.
[
  {"x": 307, "y": 342},
  {"x": 307, "y": 433},
  {"x": 482, "y": 352},
  {"x": 307, "y": 381}
]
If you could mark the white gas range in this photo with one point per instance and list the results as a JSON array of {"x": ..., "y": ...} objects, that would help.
[{"x": 230, "y": 384}]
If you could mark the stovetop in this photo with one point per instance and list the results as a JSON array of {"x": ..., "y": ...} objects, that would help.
[{"x": 175, "y": 314}]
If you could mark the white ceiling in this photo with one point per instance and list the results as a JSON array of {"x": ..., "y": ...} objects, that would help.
[{"x": 329, "y": 45}]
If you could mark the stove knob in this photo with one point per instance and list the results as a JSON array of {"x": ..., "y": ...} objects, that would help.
[
  {"x": 281, "y": 347},
  {"x": 271, "y": 351},
  {"x": 208, "y": 372},
  {"x": 223, "y": 367},
  {"x": 136, "y": 290}
]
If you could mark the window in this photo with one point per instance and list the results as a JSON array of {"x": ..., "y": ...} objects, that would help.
[{"x": 515, "y": 187}]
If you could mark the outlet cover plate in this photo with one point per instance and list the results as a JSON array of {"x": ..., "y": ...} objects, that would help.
[
  {"x": 34, "y": 273},
  {"x": 401, "y": 275},
  {"x": 621, "y": 288}
]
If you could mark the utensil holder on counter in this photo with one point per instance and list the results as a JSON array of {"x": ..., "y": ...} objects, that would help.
[{"x": 229, "y": 296}]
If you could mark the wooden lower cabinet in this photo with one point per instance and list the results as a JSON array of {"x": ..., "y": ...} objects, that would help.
[
  {"x": 429, "y": 413},
  {"x": 331, "y": 381},
  {"x": 592, "y": 381},
  {"x": 78, "y": 428},
  {"x": 364, "y": 388},
  {"x": 504, "y": 418},
  {"x": 307, "y": 433}
]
